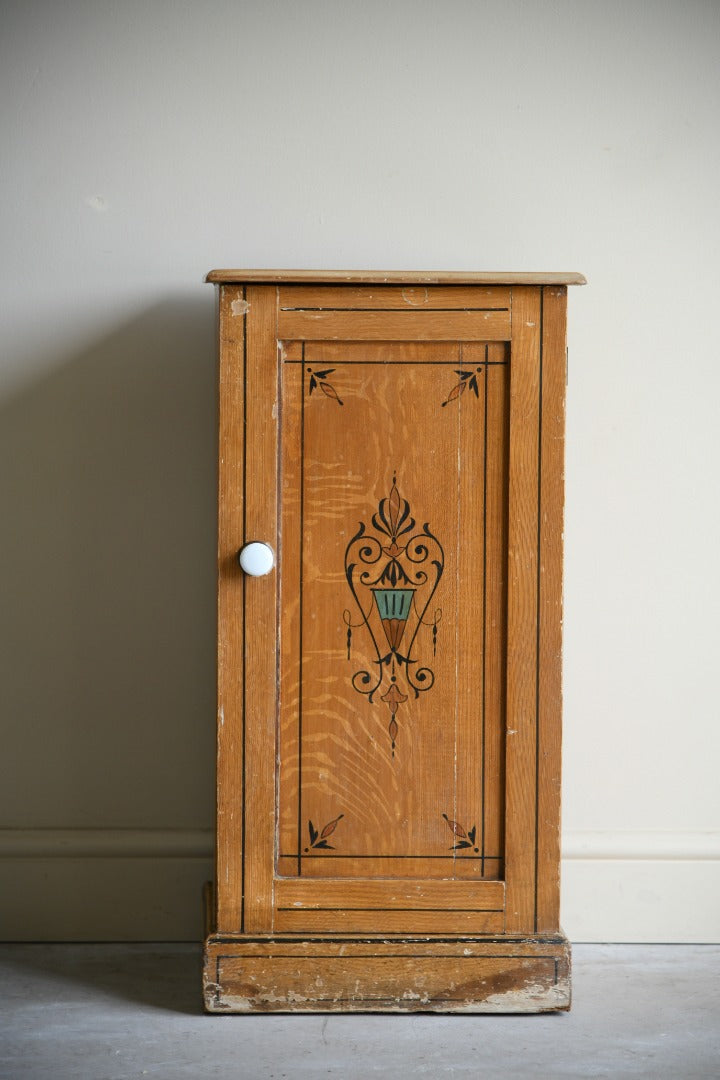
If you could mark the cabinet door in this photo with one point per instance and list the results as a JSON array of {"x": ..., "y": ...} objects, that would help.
[{"x": 389, "y": 695}]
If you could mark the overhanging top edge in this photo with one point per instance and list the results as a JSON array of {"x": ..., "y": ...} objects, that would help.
[{"x": 392, "y": 277}]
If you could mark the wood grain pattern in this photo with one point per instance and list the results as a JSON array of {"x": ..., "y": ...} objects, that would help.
[
  {"x": 326, "y": 353},
  {"x": 369, "y": 920},
  {"x": 410, "y": 325},
  {"x": 521, "y": 750},
  {"x": 432, "y": 975},
  {"x": 402, "y": 866},
  {"x": 230, "y": 891},
  {"x": 261, "y": 437},
  {"x": 428, "y": 811},
  {"x": 393, "y": 414},
  {"x": 404, "y": 298},
  {"x": 400, "y": 277},
  {"x": 403, "y": 906},
  {"x": 497, "y": 407},
  {"x": 393, "y": 894},
  {"x": 552, "y": 435},
  {"x": 352, "y": 454}
]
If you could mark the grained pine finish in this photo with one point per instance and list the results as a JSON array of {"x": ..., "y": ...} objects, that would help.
[
  {"x": 389, "y": 695},
  {"x": 398, "y": 277}
]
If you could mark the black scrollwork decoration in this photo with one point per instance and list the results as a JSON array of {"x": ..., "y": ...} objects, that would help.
[{"x": 393, "y": 573}]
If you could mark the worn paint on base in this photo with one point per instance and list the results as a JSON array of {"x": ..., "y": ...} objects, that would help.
[{"x": 401, "y": 975}]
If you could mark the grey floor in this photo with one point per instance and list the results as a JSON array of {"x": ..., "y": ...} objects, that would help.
[{"x": 114, "y": 1012}]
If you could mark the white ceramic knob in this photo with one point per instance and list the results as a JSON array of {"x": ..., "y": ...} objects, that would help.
[{"x": 256, "y": 559}]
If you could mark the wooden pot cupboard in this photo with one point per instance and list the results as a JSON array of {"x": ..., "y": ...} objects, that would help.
[{"x": 388, "y": 789}]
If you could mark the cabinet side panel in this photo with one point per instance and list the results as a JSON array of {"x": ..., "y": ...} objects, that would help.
[
  {"x": 552, "y": 434},
  {"x": 522, "y": 642},
  {"x": 231, "y": 606}
]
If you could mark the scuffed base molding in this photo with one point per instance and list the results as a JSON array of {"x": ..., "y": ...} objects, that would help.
[
  {"x": 453, "y": 975},
  {"x": 146, "y": 885}
]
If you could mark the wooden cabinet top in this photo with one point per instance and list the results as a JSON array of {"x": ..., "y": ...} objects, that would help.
[{"x": 394, "y": 277}]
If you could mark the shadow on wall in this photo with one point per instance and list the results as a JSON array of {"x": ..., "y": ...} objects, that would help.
[{"x": 108, "y": 615}]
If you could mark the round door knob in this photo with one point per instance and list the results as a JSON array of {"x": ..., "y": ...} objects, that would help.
[{"x": 256, "y": 558}]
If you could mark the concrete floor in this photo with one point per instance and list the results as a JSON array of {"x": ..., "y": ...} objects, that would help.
[{"x": 115, "y": 1012}]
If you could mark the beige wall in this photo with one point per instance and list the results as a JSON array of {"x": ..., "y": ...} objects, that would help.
[{"x": 144, "y": 143}]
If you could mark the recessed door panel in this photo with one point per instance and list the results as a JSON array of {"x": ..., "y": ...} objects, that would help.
[{"x": 393, "y": 519}]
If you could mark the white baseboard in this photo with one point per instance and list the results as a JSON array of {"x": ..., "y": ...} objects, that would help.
[
  {"x": 146, "y": 884},
  {"x": 642, "y": 845},
  {"x": 641, "y": 886}
]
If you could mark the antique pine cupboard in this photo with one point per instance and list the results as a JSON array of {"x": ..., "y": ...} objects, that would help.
[{"x": 391, "y": 475}]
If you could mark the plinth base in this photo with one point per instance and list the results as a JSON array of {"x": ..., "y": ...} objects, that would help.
[{"x": 246, "y": 974}]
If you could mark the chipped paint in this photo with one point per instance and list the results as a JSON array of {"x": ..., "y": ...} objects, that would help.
[
  {"x": 533, "y": 997},
  {"x": 535, "y": 980},
  {"x": 239, "y": 307}
]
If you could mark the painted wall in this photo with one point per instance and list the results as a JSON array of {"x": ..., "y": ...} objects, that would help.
[{"x": 147, "y": 142}]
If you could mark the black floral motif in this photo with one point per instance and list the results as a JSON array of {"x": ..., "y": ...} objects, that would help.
[
  {"x": 468, "y": 379},
  {"x": 318, "y": 837},
  {"x": 463, "y": 839},
  {"x": 318, "y": 380}
]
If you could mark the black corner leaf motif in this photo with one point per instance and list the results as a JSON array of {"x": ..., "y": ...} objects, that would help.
[
  {"x": 463, "y": 839},
  {"x": 319, "y": 837},
  {"x": 319, "y": 380},
  {"x": 466, "y": 380}
]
